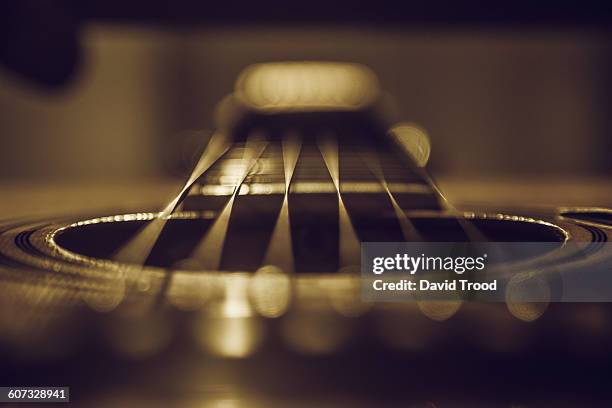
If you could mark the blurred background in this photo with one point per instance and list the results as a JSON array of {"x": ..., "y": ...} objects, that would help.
[{"x": 109, "y": 91}]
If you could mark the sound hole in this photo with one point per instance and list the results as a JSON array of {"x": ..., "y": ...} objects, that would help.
[{"x": 314, "y": 241}]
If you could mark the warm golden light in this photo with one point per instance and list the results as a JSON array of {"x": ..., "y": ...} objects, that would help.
[
  {"x": 527, "y": 311},
  {"x": 307, "y": 86},
  {"x": 189, "y": 290},
  {"x": 413, "y": 140},
  {"x": 270, "y": 290},
  {"x": 306, "y": 187},
  {"x": 235, "y": 337},
  {"x": 439, "y": 310},
  {"x": 236, "y": 301},
  {"x": 520, "y": 289},
  {"x": 228, "y": 328}
]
